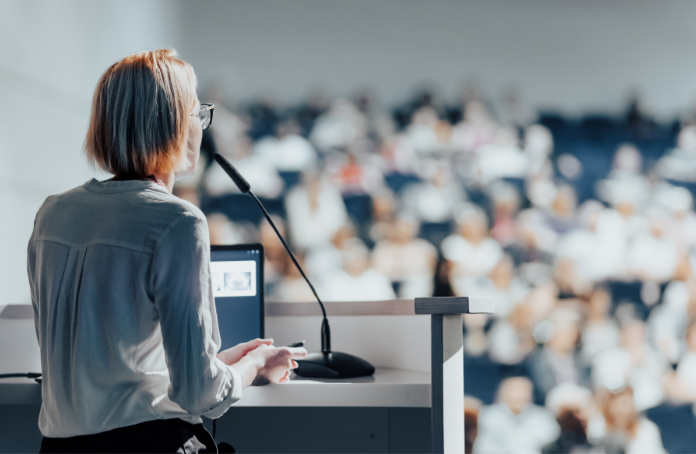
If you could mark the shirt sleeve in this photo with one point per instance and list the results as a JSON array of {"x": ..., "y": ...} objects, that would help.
[{"x": 200, "y": 383}]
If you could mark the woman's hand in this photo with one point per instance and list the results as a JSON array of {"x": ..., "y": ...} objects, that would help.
[
  {"x": 239, "y": 351},
  {"x": 278, "y": 363},
  {"x": 267, "y": 364}
]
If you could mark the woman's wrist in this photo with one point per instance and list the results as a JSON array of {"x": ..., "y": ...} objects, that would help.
[{"x": 248, "y": 367}]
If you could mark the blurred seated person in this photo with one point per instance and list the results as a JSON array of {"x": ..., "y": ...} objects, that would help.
[
  {"x": 502, "y": 158},
  {"x": 188, "y": 193},
  {"x": 397, "y": 155},
  {"x": 575, "y": 411},
  {"x": 558, "y": 361},
  {"x": 435, "y": 199},
  {"x": 291, "y": 287},
  {"x": 538, "y": 146},
  {"x": 562, "y": 217},
  {"x": 315, "y": 211},
  {"x": 357, "y": 281},
  {"x": 540, "y": 187},
  {"x": 229, "y": 129},
  {"x": 288, "y": 151},
  {"x": 679, "y": 203},
  {"x": 356, "y": 175},
  {"x": 475, "y": 339},
  {"x": 326, "y": 258},
  {"x": 514, "y": 424},
  {"x": 668, "y": 321},
  {"x": 682, "y": 387},
  {"x": 600, "y": 330},
  {"x": 406, "y": 259},
  {"x": 511, "y": 338},
  {"x": 383, "y": 206},
  {"x": 471, "y": 250},
  {"x": 626, "y": 430},
  {"x": 653, "y": 255},
  {"x": 506, "y": 202},
  {"x": 625, "y": 177},
  {"x": 534, "y": 241},
  {"x": 259, "y": 172},
  {"x": 597, "y": 248},
  {"x": 476, "y": 129},
  {"x": 274, "y": 252},
  {"x": 680, "y": 163},
  {"x": 630, "y": 207},
  {"x": 223, "y": 231},
  {"x": 501, "y": 284},
  {"x": 472, "y": 406},
  {"x": 634, "y": 362},
  {"x": 427, "y": 133},
  {"x": 513, "y": 111},
  {"x": 339, "y": 127}
]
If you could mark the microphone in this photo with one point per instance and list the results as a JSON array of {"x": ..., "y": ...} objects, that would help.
[{"x": 326, "y": 364}]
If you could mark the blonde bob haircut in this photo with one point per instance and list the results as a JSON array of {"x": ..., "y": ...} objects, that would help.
[{"x": 140, "y": 114}]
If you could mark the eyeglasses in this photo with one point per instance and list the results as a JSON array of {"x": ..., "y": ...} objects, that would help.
[{"x": 205, "y": 115}]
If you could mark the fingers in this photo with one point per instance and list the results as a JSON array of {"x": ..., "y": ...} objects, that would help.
[
  {"x": 297, "y": 352},
  {"x": 252, "y": 344},
  {"x": 278, "y": 373},
  {"x": 286, "y": 377}
]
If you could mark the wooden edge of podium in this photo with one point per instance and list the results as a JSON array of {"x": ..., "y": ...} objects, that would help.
[
  {"x": 338, "y": 308},
  {"x": 419, "y": 306}
]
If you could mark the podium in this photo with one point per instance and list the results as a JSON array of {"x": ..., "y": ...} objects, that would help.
[
  {"x": 416, "y": 345},
  {"x": 438, "y": 350}
]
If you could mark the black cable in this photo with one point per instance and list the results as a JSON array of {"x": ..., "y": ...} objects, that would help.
[
  {"x": 214, "y": 427},
  {"x": 34, "y": 375}
]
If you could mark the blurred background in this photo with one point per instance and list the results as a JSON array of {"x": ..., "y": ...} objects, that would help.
[{"x": 542, "y": 153}]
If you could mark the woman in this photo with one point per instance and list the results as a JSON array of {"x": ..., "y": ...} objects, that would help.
[{"x": 120, "y": 281}]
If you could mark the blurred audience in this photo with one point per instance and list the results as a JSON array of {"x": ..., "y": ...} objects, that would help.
[{"x": 583, "y": 232}]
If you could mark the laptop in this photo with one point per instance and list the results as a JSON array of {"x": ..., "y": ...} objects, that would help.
[{"x": 237, "y": 275}]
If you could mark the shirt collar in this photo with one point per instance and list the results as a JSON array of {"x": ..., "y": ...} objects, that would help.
[{"x": 111, "y": 187}]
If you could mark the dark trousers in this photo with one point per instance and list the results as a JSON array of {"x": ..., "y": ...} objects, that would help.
[{"x": 162, "y": 435}]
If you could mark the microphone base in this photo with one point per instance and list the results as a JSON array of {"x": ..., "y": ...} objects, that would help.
[{"x": 333, "y": 365}]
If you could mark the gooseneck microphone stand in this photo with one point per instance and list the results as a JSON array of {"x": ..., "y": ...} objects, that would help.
[{"x": 325, "y": 364}]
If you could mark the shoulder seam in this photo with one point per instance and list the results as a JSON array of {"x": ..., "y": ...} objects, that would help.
[{"x": 171, "y": 225}]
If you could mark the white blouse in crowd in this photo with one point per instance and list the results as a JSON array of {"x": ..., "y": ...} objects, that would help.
[{"x": 124, "y": 311}]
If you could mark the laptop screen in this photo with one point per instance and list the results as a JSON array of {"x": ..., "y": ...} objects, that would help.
[{"x": 237, "y": 275}]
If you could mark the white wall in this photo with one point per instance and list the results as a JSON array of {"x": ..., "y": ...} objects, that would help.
[
  {"x": 576, "y": 55},
  {"x": 51, "y": 55}
]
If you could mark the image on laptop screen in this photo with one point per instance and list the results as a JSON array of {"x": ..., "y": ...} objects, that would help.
[{"x": 237, "y": 275}]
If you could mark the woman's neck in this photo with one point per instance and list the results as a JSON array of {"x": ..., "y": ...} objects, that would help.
[
  {"x": 164, "y": 179},
  {"x": 167, "y": 180}
]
